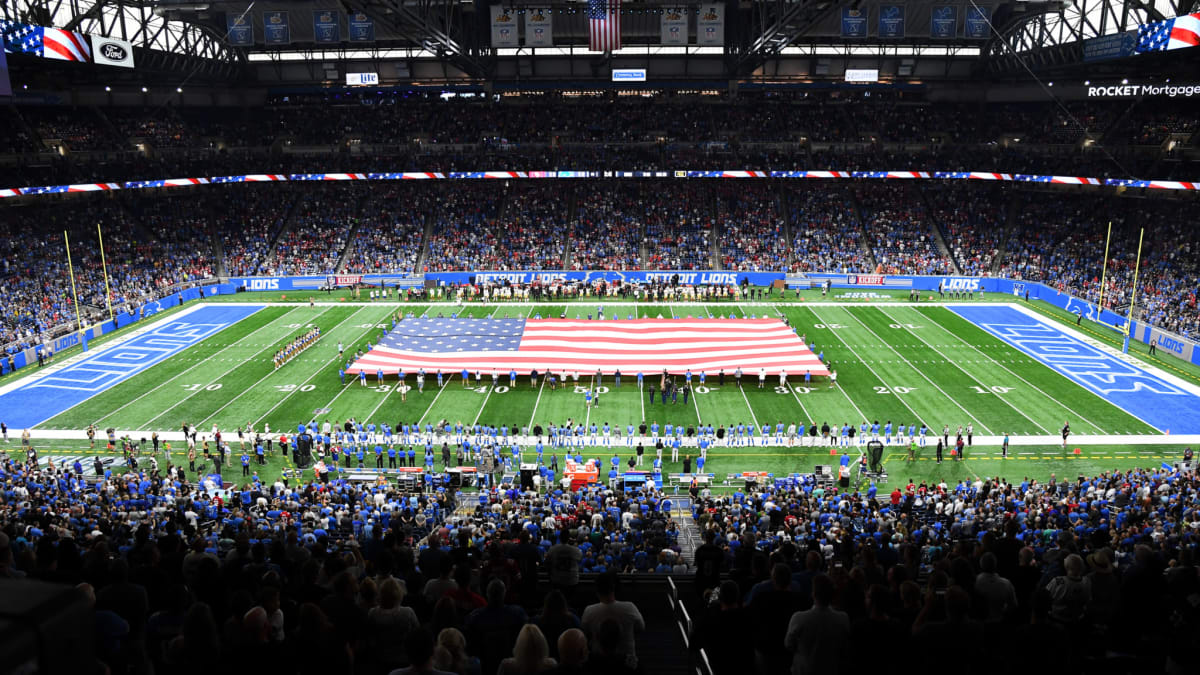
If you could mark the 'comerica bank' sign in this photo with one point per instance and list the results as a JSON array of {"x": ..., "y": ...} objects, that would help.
[{"x": 1128, "y": 90}]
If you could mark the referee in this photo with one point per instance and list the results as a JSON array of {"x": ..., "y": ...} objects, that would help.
[{"x": 1066, "y": 431}]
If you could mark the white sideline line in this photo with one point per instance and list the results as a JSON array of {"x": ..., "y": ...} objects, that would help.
[
  {"x": 46, "y": 371},
  {"x": 1051, "y": 442}
]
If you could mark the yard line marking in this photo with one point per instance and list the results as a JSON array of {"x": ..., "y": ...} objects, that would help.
[
  {"x": 963, "y": 371},
  {"x": 1027, "y": 382},
  {"x": 588, "y": 418},
  {"x": 751, "y": 408},
  {"x": 198, "y": 362},
  {"x": 382, "y": 400},
  {"x": 538, "y": 400},
  {"x": 484, "y": 405},
  {"x": 918, "y": 372},
  {"x": 272, "y": 372},
  {"x": 699, "y": 420},
  {"x": 856, "y": 355},
  {"x": 435, "y": 398},
  {"x": 146, "y": 426},
  {"x": 804, "y": 409},
  {"x": 642, "y": 400},
  {"x": 318, "y": 372}
]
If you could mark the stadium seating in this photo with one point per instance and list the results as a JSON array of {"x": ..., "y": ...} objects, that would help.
[{"x": 1081, "y": 557}]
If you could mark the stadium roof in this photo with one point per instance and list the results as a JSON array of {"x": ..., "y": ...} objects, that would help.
[{"x": 758, "y": 34}]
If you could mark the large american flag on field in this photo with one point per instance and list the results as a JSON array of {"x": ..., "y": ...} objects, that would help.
[
  {"x": 50, "y": 43},
  {"x": 631, "y": 346},
  {"x": 604, "y": 25},
  {"x": 1177, "y": 33}
]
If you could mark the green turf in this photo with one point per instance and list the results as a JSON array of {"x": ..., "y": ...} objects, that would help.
[{"x": 897, "y": 363}]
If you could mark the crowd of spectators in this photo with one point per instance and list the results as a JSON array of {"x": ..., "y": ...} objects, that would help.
[
  {"x": 826, "y": 234},
  {"x": 314, "y": 241},
  {"x": 360, "y": 577},
  {"x": 751, "y": 228},
  {"x": 1088, "y": 569},
  {"x": 80, "y": 129},
  {"x": 391, "y": 230},
  {"x": 160, "y": 127},
  {"x": 973, "y": 219},
  {"x": 250, "y": 223},
  {"x": 531, "y": 232},
  {"x": 427, "y": 132},
  {"x": 899, "y": 231},
  {"x": 149, "y": 247},
  {"x": 607, "y": 228},
  {"x": 463, "y": 231},
  {"x": 154, "y": 241},
  {"x": 678, "y": 227}
]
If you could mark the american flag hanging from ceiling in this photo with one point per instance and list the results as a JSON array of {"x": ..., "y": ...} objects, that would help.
[{"x": 604, "y": 25}]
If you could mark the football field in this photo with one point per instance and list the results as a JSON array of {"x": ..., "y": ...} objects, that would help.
[{"x": 896, "y": 362}]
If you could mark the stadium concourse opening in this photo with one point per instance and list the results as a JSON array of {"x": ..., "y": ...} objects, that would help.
[{"x": 599, "y": 338}]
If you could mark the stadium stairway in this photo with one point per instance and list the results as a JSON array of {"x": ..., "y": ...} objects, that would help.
[
  {"x": 784, "y": 208},
  {"x": 572, "y": 216},
  {"x": 423, "y": 251},
  {"x": 1010, "y": 219},
  {"x": 936, "y": 227},
  {"x": 714, "y": 233},
  {"x": 865, "y": 239},
  {"x": 124, "y": 142},
  {"x": 689, "y": 530},
  {"x": 662, "y": 647},
  {"x": 289, "y": 219},
  {"x": 344, "y": 256}
]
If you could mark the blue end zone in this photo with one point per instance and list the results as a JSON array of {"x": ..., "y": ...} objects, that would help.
[
  {"x": 38, "y": 401},
  {"x": 1160, "y": 404}
]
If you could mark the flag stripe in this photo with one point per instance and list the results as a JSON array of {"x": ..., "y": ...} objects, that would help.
[{"x": 646, "y": 345}]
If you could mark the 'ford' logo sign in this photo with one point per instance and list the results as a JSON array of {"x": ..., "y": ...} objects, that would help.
[{"x": 113, "y": 51}]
